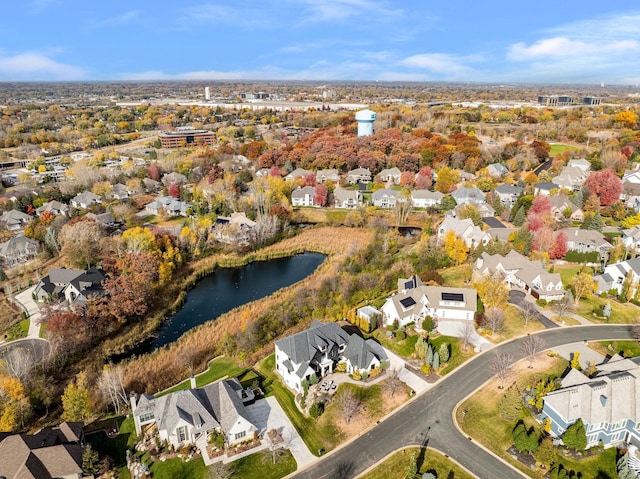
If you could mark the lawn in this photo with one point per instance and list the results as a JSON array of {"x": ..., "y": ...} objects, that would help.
[
  {"x": 395, "y": 467},
  {"x": 260, "y": 466},
  {"x": 557, "y": 148},
  {"x": 458, "y": 356},
  {"x": 483, "y": 422},
  {"x": 218, "y": 368},
  {"x": 115, "y": 448},
  {"x": 315, "y": 437},
  {"x": 404, "y": 348},
  {"x": 514, "y": 325},
  {"x": 456, "y": 276},
  {"x": 619, "y": 347},
  {"x": 173, "y": 468},
  {"x": 18, "y": 330}
]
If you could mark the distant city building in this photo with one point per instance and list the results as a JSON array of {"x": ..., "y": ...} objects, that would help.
[
  {"x": 207, "y": 93},
  {"x": 563, "y": 100},
  {"x": 186, "y": 136},
  {"x": 365, "y": 119}
]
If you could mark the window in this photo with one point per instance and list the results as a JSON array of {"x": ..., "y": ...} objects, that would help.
[
  {"x": 240, "y": 435},
  {"x": 182, "y": 433},
  {"x": 146, "y": 417}
]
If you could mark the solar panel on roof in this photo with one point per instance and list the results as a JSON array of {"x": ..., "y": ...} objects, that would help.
[
  {"x": 407, "y": 302},
  {"x": 408, "y": 285},
  {"x": 452, "y": 297}
]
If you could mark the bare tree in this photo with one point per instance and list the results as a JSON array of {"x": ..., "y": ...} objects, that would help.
[
  {"x": 501, "y": 366},
  {"x": 529, "y": 313},
  {"x": 18, "y": 363},
  {"x": 393, "y": 383},
  {"x": 349, "y": 404},
  {"x": 278, "y": 443},
  {"x": 403, "y": 207},
  {"x": 220, "y": 470},
  {"x": 563, "y": 307},
  {"x": 111, "y": 387},
  {"x": 467, "y": 333},
  {"x": 495, "y": 319},
  {"x": 532, "y": 345}
]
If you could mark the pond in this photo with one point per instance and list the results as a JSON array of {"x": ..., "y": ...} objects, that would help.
[{"x": 228, "y": 288}]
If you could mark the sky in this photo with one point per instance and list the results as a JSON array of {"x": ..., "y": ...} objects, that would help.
[{"x": 588, "y": 41}]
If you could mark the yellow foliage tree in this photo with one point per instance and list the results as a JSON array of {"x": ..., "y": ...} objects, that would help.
[
  {"x": 492, "y": 291},
  {"x": 627, "y": 118},
  {"x": 455, "y": 248},
  {"x": 140, "y": 239},
  {"x": 76, "y": 400},
  {"x": 13, "y": 403},
  {"x": 583, "y": 286}
]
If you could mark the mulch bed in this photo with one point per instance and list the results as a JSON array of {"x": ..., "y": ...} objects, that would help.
[{"x": 526, "y": 459}]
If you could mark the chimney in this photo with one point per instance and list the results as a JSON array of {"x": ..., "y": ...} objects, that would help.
[
  {"x": 133, "y": 400},
  {"x": 193, "y": 381}
]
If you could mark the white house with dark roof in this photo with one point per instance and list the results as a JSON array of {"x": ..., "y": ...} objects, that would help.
[
  {"x": 607, "y": 403},
  {"x": 544, "y": 188},
  {"x": 169, "y": 205},
  {"x": 18, "y": 250},
  {"x": 190, "y": 416},
  {"x": 74, "y": 286},
  {"x": 347, "y": 199},
  {"x": 15, "y": 220},
  {"x": 304, "y": 196},
  {"x": 614, "y": 275},
  {"x": 517, "y": 270},
  {"x": 319, "y": 349},
  {"x": 414, "y": 301},
  {"x": 426, "y": 198},
  {"x": 631, "y": 238}
]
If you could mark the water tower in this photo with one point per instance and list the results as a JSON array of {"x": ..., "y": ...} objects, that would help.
[{"x": 365, "y": 119}]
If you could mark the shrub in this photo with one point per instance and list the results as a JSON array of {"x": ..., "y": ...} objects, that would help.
[
  {"x": 341, "y": 368},
  {"x": 316, "y": 410},
  {"x": 375, "y": 372},
  {"x": 444, "y": 352},
  {"x": 400, "y": 334},
  {"x": 575, "y": 437},
  {"x": 510, "y": 405},
  {"x": 356, "y": 375},
  {"x": 364, "y": 374},
  {"x": 426, "y": 368},
  {"x": 525, "y": 440},
  {"x": 313, "y": 379},
  {"x": 427, "y": 323},
  {"x": 541, "y": 302}
]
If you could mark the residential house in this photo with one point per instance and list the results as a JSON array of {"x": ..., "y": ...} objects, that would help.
[
  {"x": 52, "y": 452},
  {"x": 508, "y": 194},
  {"x": 563, "y": 208},
  {"x": 385, "y": 198},
  {"x": 614, "y": 276},
  {"x": 497, "y": 170},
  {"x": 191, "y": 416},
  {"x": 54, "y": 207},
  {"x": 151, "y": 186},
  {"x": 573, "y": 176},
  {"x": 299, "y": 173},
  {"x": 544, "y": 188},
  {"x": 168, "y": 205},
  {"x": 85, "y": 199},
  {"x": 426, "y": 198},
  {"x": 15, "y": 220},
  {"x": 631, "y": 194},
  {"x": 517, "y": 270},
  {"x": 471, "y": 234},
  {"x": 414, "y": 302},
  {"x": 234, "y": 229},
  {"x": 304, "y": 196},
  {"x": 173, "y": 178},
  {"x": 103, "y": 219},
  {"x": 359, "y": 175},
  {"x": 390, "y": 175},
  {"x": 327, "y": 175},
  {"x": 631, "y": 238},
  {"x": 607, "y": 403},
  {"x": 18, "y": 250},
  {"x": 120, "y": 192},
  {"x": 319, "y": 349},
  {"x": 501, "y": 234},
  {"x": 344, "y": 198},
  {"x": 586, "y": 241},
  {"x": 263, "y": 172},
  {"x": 74, "y": 286},
  {"x": 469, "y": 195}
]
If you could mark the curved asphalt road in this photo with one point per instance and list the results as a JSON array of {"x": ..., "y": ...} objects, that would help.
[
  {"x": 37, "y": 348},
  {"x": 428, "y": 419}
]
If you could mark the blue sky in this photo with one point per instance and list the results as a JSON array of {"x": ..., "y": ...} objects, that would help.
[{"x": 495, "y": 41}]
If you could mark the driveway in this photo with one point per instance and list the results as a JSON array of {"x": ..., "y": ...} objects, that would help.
[
  {"x": 411, "y": 379},
  {"x": 428, "y": 419},
  {"x": 587, "y": 355},
  {"x": 25, "y": 299},
  {"x": 519, "y": 299},
  {"x": 268, "y": 414}
]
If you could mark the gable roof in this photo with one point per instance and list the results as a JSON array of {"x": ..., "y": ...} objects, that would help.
[{"x": 508, "y": 189}]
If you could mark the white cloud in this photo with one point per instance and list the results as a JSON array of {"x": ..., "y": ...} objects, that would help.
[
  {"x": 37, "y": 66},
  {"x": 38, "y": 6},
  {"x": 446, "y": 66},
  {"x": 341, "y": 10},
  {"x": 237, "y": 15},
  {"x": 564, "y": 47},
  {"x": 122, "y": 19}
]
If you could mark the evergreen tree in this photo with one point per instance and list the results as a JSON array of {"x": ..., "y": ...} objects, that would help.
[
  {"x": 575, "y": 436},
  {"x": 421, "y": 347},
  {"x": 429, "y": 357},
  {"x": 413, "y": 466},
  {"x": 511, "y": 404},
  {"x": 436, "y": 361},
  {"x": 597, "y": 223},
  {"x": 497, "y": 205},
  {"x": 518, "y": 217},
  {"x": 443, "y": 351},
  {"x": 90, "y": 461}
]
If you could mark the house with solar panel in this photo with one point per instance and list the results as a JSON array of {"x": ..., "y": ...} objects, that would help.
[
  {"x": 415, "y": 301},
  {"x": 607, "y": 403},
  {"x": 318, "y": 350}
]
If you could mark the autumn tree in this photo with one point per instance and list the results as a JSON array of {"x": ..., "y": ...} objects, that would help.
[
  {"x": 111, "y": 387},
  {"x": 14, "y": 404},
  {"x": 455, "y": 248},
  {"x": 447, "y": 178},
  {"x": 320, "y": 196},
  {"x": 424, "y": 179},
  {"x": 139, "y": 239},
  {"x": 403, "y": 207},
  {"x": 626, "y": 118},
  {"x": 76, "y": 400},
  {"x": 493, "y": 291},
  {"x": 583, "y": 286},
  {"x": 174, "y": 190},
  {"x": 605, "y": 185},
  {"x": 393, "y": 383},
  {"x": 559, "y": 247},
  {"x": 80, "y": 242}
]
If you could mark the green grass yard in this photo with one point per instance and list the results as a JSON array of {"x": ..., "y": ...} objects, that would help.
[
  {"x": 218, "y": 368},
  {"x": 395, "y": 466},
  {"x": 557, "y": 148}
]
